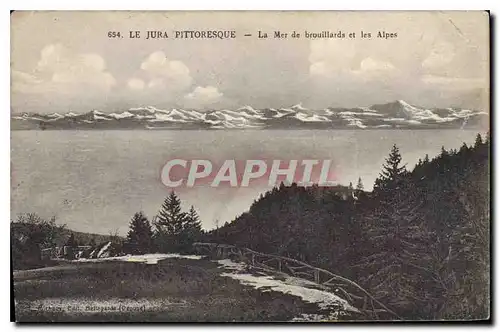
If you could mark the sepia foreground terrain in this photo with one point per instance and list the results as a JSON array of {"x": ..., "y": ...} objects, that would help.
[
  {"x": 173, "y": 290},
  {"x": 417, "y": 246}
]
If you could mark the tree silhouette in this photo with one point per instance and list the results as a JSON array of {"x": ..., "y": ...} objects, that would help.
[
  {"x": 170, "y": 218},
  {"x": 464, "y": 148},
  {"x": 175, "y": 229},
  {"x": 71, "y": 245},
  {"x": 360, "y": 185},
  {"x": 444, "y": 153},
  {"x": 392, "y": 172},
  {"x": 71, "y": 241},
  {"x": 140, "y": 235},
  {"x": 192, "y": 227},
  {"x": 479, "y": 140},
  {"x": 193, "y": 221},
  {"x": 169, "y": 224},
  {"x": 419, "y": 242},
  {"x": 29, "y": 234}
]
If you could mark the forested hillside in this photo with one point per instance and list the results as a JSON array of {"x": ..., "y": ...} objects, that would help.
[{"x": 419, "y": 242}]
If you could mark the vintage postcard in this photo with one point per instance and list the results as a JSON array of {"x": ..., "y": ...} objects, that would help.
[{"x": 241, "y": 166}]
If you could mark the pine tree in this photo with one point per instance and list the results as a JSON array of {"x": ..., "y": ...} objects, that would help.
[
  {"x": 170, "y": 219},
  {"x": 140, "y": 235},
  {"x": 479, "y": 140},
  {"x": 392, "y": 172},
  {"x": 444, "y": 153},
  {"x": 169, "y": 224},
  {"x": 393, "y": 230},
  {"x": 192, "y": 228},
  {"x": 360, "y": 185},
  {"x": 421, "y": 247},
  {"x": 193, "y": 222}
]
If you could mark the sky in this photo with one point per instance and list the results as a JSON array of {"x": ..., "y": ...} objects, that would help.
[{"x": 65, "y": 61}]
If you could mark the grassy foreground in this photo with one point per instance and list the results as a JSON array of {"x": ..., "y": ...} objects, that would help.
[{"x": 174, "y": 290}]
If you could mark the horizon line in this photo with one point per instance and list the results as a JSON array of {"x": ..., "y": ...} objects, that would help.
[{"x": 297, "y": 105}]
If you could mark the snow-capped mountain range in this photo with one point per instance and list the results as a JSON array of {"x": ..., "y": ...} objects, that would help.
[{"x": 397, "y": 114}]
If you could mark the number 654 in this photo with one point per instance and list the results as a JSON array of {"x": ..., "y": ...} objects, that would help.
[{"x": 114, "y": 34}]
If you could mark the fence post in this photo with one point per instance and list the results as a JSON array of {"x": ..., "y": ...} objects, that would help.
[{"x": 316, "y": 276}]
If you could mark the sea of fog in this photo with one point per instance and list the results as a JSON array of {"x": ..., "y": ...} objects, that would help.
[{"x": 94, "y": 181}]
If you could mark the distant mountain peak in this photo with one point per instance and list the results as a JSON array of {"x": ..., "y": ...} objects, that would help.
[
  {"x": 396, "y": 114},
  {"x": 54, "y": 115},
  {"x": 298, "y": 107},
  {"x": 150, "y": 109},
  {"x": 396, "y": 102},
  {"x": 246, "y": 108},
  {"x": 402, "y": 102}
]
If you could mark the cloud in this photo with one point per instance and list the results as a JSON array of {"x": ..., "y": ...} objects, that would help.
[
  {"x": 19, "y": 76},
  {"x": 66, "y": 67},
  {"x": 454, "y": 83},
  {"x": 447, "y": 69},
  {"x": 336, "y": 52},
  {"x": 441, "y": 55},
  {"x": 319, "y": 68},
  {"x": 426, "y": 70},
  {"x": 159, "y": 81},
  {"x": 23, "y": 82},
  {"x": 331, "y": 58},
  {"x": 371, "y": 65},
  {"x": 371, "y": 68},
  {"x": 203, "y": 96},
  {"x": 135, "y": 84},
  {"x": 61, "y": 71},
  {"x": 165, "y": 73}
]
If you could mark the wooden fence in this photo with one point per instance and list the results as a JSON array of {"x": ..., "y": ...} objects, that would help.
[
  {"x": 61, "y": 252},
  {"x": 347, "y": 289}
]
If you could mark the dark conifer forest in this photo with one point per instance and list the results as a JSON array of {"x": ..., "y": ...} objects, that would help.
[{"x": 419, "y": 242}]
